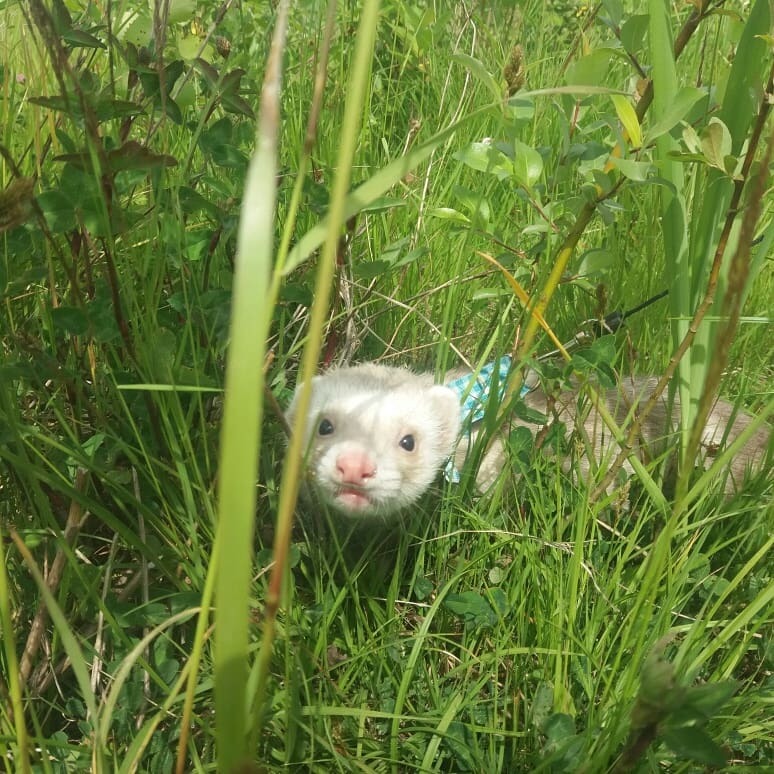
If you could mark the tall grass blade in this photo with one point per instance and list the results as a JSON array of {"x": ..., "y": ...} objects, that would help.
[
  {"x": 242, "y": 416},
  {"x": 673, "y": 205},
  {"x": 291, "y": 471}
]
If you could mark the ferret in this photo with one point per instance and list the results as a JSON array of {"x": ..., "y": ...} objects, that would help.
[{"x": 377, "y": 436}]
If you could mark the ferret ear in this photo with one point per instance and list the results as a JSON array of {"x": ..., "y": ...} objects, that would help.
[
  {"x": 446, "y": 408},
  {"x": 290, "y": 411}
]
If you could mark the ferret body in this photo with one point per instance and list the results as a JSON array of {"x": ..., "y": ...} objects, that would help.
[{"x": 378, "y": 436}]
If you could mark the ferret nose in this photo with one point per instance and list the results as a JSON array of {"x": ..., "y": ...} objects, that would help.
[{"x": 354, "y": 467}]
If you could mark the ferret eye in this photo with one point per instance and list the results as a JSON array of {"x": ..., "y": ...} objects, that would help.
[
  {"x": 325, "y": 427},
  {"x": 407, "y": 443}
]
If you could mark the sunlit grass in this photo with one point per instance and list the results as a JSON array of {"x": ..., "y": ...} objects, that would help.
[{"x": 503, "y": 633}]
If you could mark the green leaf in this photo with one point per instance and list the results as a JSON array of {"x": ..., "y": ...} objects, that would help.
[
  {"x": 473, "y": 608},
  {"x": 384, "y": 203},
  {"x": 447, "y": 213},
  {"x": 716, "y": 143},
  {"x": 70, "y": 319},
  {"x": 678, "y": 108},
  {"x": 499, "y": 600},
  {"x": 746, "y": 82},
  {"x": 422, "y": 588},
  {"x": 81, "y": 39},
  {"x": 527, "y": 164},
  {"x": 542, "y": 704},
  {"x": 188, "y": 46},
  {"x": 710, "y": 697},
  {"x": 558, "y": 727},
  {"x": 135, "y": 28},
  {"x": 694, "y": 744},
  {"x": 590, "y": 70},
  {"x": 487, "y": 293},
  {"x": 411, "y": 256},
  {"x": 633, "y": 32},
  {"x": 596, "y": 262},
  {"x": 371, "y": 269},
  {"x": 638, "y": 171},
  {"x": 480, "y": 72},
  {"x": 475, "y": 202},
  {"x": 628, "y": 117},
  {"x": 233, "y": 103},
  {"x": 181, "y": 11},
  {"x": 482, "y": 157},
  {"x": 58, "y": 211}
]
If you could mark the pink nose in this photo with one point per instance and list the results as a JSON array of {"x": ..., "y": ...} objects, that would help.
[{"x": 354, "y": 467}]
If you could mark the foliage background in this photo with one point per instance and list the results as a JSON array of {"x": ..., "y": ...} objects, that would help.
[{"x": 521, "y": 632}]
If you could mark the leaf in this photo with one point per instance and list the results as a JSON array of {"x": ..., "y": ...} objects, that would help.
[
  {"x": 710, "y": 697},
  {"x": 473, "y": 608},
  {"x": 694, "y": 744},
  {"x": 411, "y": 256},
  {"x": 746, "y": 81},
  {"x": 542, "y": 704},
  {"x": 371, "y": 269},
  {"x": 558, "y": 727},
  {"x": 473, "y": 200},
  {"x": 527, "y": 164},
  {"x": 188, "y": 46},
  {"x": 58, "y": 211},
  {"x": 614, "y": 9},
  {"x": 499, "y": 600},
  {"x": 60, "y": 17},
  {"x": 192, "y": 201},
  {"x": 520, "y": 109},
  {"x": 678, "y": 108},
  {"x": 105, "y": 108},
  {"x": 716, "y": 143},
  {"x": 56, "y": 102},
  {"x": 691, "y": 139},
  {"x": 483, "y": 294},
  {"x": 633, "y": 32},
  {"x": 447, "y": 213},
  {"x": 81, "y": 39},
  {"x": 181, "y": 11},
  {"x": 135, "y": 28},
  {"x": 595, "y": 262},
  {"x": 70, "y": 319},
  {"x": 384, "y": 203},
  {"x": 478, "y": 71},
  {"x": 423, "y": 587},
  {"x": 233, "y": 103},
  {"x": 590, "y": 70},
  {"x": 628, "y": 117},
  {"x": 638, "y": 171},
  {"x": 208, "y": 72},
  {"x": 483, "y": 157}
]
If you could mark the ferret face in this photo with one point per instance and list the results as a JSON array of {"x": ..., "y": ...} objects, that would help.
[{"x": 377, "y": 437}]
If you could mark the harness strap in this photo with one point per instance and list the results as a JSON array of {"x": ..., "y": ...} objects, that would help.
[{"x": 474, "y": 392}]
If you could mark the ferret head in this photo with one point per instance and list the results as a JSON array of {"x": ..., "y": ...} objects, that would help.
[{"x": 376, "y": 437}]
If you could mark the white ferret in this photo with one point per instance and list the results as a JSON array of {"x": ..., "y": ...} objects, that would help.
[{"x": 378, "y": 436}]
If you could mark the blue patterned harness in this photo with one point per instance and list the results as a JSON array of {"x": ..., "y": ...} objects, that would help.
[{"x": 474, "y": 390}]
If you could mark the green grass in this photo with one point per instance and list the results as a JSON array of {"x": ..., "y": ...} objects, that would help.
[{"x": 183, "y": 624}]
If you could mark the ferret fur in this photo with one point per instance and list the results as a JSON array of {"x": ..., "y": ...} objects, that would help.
[{"x": 377, "y": 436}]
